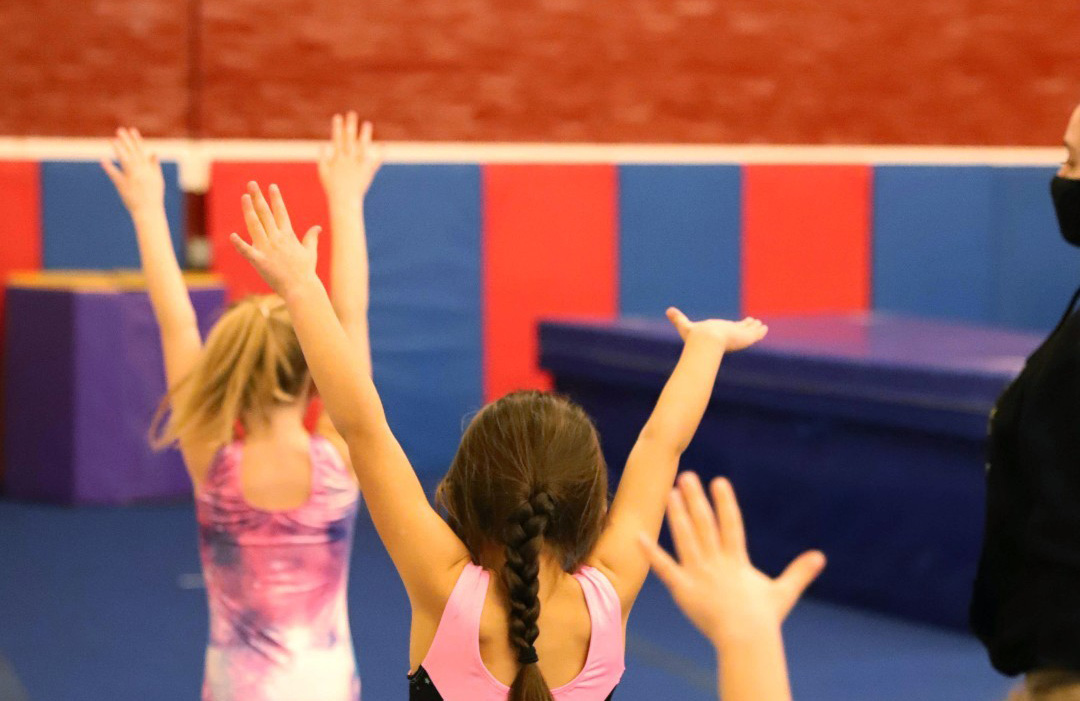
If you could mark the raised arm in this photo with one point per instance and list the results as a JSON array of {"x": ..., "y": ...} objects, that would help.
[
  {"x": 650, "y": 470},
  {"x": 739, "y": 609},
  {"x": 141, "y": 185},
  {"x": 346, "y": 169},
  {"x": 423, "y": 548}
]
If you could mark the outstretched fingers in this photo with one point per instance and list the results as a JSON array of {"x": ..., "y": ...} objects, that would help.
[
  {"x": 311, "y": 240},
  {"x": 797, "y": 576},
  {"x": 277, "y": 207},
  {"x": 128, "y": 138},
  {"x": 351, "y": 125},
  {"x": 262, "y": 210},
  {"x": 252, "y": 254},
  {"x": 732, "y": 532},
  {"x": 679, "y": 320},
  {"x": 137, "y": 143},
  {"x": 253, "y": 222},
  {"x": 337, "y": 133},
  {"x": 112, "y": 171},
  {"x": 701, "y": 513},
  {"x": 122, "y": 148},
  {"x": 365, "y": 137}
]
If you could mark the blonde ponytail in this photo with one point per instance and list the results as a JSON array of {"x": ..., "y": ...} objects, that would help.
[{"x": 251, "y": 362}]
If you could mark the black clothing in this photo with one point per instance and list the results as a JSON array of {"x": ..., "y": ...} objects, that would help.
[
  {"x": 1026, "y": 603},
  {"x": 1066, "y": 194},
  {"x": 421, "y": 687}
]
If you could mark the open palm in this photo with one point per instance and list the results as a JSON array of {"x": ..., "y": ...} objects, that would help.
[
  {"x": 138, "y": 178},
  {"x": 713, "y": 582},
  {"x": 734, "y": 335},
  {"x": 280, "y": 258},
  {"x": 348, "y": 165}
]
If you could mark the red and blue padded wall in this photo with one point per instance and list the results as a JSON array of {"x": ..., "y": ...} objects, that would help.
[
  {"x": 424, "y": 225},
  {"x": 67, "y": 215},
  {"x": 466, "y": 258}
]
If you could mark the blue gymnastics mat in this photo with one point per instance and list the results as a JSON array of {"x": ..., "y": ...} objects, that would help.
[{"x": 101, "y": 604}]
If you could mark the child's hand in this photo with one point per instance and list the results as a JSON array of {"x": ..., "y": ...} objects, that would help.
[
  {"x": 734, "y": 335},
  {"x": 282, "y": 260},
  {"x": 714, "y": 584},
  {"x": 349, "y": 164},
  {"x": 138, "y": 179}
]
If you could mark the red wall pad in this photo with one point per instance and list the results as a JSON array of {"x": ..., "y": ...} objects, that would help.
[
  {"x": 20, "y": 217},
  {"x": 806, "y": 239},
  {"x": 550, "y": 249},
  {"x": 299, "y": 183}
]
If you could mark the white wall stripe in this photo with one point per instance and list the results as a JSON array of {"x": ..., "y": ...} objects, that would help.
[{"x": 195, "y": 156}]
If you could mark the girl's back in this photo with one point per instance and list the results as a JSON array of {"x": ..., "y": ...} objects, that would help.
[
  {"x": 276, "y": 577},
  {"x": 579, "y": 647}
]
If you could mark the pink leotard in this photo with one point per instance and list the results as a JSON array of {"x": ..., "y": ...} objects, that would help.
[
  {"x": 276, "y": 585},
  {"x": 453, "y": 669}
]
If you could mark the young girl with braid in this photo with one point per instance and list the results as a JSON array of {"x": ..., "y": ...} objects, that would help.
[
  {"x": 525, "y": 499},
  {"x": 275, "y": 504}
]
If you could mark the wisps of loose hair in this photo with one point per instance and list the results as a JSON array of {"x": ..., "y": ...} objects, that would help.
[{"x": 251, "y": 362}]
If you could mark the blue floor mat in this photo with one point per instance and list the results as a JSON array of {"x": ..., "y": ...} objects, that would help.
[{"x": 105, "y": 604}]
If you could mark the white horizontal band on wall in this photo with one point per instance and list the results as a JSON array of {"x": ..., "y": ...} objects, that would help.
[{"x": 195, "y": 155}]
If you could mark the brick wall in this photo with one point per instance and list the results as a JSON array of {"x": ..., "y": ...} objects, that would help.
[
  {"x": 80, "y": 68},
  {"x": 780, "y": 71}
]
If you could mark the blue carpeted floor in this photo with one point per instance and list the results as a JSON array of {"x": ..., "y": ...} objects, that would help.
[{"x": 104, "y": 604}]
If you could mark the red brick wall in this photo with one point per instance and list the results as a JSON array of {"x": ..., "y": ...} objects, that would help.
[
  {"x": 780, "y": 71},
  {"x": 79, "y": 68}
]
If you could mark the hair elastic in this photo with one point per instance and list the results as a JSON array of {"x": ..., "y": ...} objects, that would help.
[{"x": 528, "y": 656}]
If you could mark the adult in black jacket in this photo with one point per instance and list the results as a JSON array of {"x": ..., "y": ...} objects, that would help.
[{"x": 1026, "y": 603}]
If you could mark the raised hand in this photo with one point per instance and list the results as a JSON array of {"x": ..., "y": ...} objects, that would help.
[
  {"x": 138, "y": 179},
  {"x": 349, "y": 163},
  {"x": 713, "y": 582},
  {"x": 734, "y": 335},
  {"x": 1071, "y": 167},
  {"x": 275, "y": 252}
]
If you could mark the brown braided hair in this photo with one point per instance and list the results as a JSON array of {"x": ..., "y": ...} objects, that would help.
[
  {"x": 528, "y": 475},
  {"x": 521, "y": 575}
]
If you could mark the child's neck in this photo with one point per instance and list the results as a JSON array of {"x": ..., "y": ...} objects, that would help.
[
  {"x": 550, "y": 566},
  {"x": 285, "y": 421}
]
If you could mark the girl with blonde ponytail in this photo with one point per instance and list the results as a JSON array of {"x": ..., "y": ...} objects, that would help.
[
  {"x": 250, "y": 365},
  {"x": 523, "y": 591},
  {"x": 276, "y": 505}
]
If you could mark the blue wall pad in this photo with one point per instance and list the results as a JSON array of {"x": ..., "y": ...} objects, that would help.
[
  {"x": 84, "y": 223},
  {"x": 679, "y": 229},
  {"x": 1035, "y": 270},
  {"x": 423, "y": 225},
  {"x": 933, "y": 241}
]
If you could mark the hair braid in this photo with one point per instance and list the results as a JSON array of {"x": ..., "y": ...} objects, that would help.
[{"x": 524, "y": 539}]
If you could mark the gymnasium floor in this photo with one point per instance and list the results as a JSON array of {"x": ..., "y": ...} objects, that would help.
[{"x": 105, "y": 604}]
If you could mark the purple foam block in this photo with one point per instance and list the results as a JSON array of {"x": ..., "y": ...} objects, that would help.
[{"x": 83, "y": 377}]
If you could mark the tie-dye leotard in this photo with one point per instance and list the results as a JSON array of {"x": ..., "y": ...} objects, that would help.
[{"x": 276, "y": 585}]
